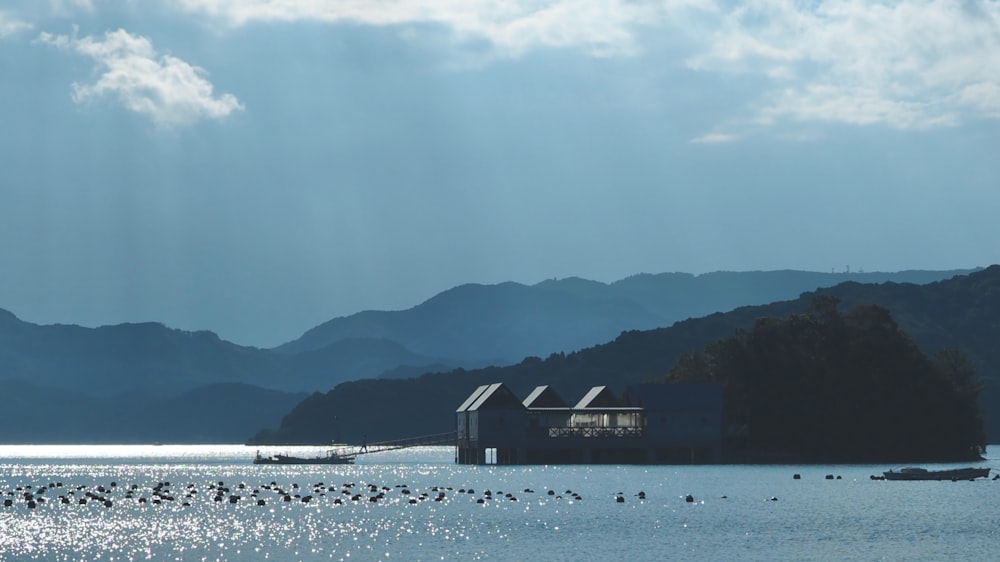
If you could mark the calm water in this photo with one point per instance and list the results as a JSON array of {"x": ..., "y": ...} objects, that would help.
[{"x": 733, "y": 516}]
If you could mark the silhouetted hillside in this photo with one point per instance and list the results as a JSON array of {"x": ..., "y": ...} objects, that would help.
[
  {"x": 962, "y": 312},
  {"x": 210, "y": 414},
  {"x": 160, "y": 361},
  {"x": 504, "y": 323},
  {"x": 495, "y": 323},
  {"x": 79, "y": 373},
  {"x": 846, "y": 387}
]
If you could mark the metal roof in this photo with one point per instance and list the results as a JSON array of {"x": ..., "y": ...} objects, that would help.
[
  {"x": 472, "y": 398},
  {"x": 544, "y": 397},
  {"x": 597, "y": 397},
  {"x": 496, "y": 395}
]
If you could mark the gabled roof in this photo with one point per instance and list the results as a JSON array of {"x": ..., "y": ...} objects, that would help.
[
  {"x": 597, "y": 397},
  {"x": 544, "y": 397},
  {"x": 496, "y": 396},
  {"x": 472, "y": 398}
]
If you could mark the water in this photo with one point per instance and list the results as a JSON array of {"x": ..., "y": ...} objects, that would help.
[{"x": 739, "y": 512}]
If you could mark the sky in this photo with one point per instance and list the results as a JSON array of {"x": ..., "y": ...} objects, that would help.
[{"x": 257, "y": 167}]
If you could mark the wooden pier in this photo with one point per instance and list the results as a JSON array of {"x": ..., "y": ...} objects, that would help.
[{"x": 354, "y": 451}]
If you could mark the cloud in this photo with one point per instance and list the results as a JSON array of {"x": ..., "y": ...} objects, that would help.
[
  {"x": 512, "y": 27},
  {"x": 908, "y": 64},
  {"x": 162, "y": 87},
  {"x": 714, "y": 138},
  {"x": 10, "y": 25}
]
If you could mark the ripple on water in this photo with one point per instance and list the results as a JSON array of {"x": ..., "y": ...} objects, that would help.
[{"x": 732, "y": 516}]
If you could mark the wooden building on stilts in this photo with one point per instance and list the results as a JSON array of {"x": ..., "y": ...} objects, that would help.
[{"x": 650, "y": 424}]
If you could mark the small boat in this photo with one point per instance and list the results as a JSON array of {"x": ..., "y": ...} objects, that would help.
[
  {"x": 915, "y": 473},
  {"x": 330, "y": 458}
]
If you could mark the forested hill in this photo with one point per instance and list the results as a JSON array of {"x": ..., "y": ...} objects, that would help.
[
  {"x": 962, "y": 312},
  {"x": 844, "y": 387}
]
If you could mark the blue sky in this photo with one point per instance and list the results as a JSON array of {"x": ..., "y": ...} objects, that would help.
[{"x": 256, "y": 167}]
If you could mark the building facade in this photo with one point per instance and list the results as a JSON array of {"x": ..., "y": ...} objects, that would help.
[{"x": 650, "y": 424}]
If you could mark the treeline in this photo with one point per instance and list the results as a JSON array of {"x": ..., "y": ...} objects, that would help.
[
  {"x": 851, "y": 387},
  {"x": 961, "y": 313}
]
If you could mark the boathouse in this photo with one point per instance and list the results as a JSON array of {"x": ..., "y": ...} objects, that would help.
[{"x": 649, "y": 424}]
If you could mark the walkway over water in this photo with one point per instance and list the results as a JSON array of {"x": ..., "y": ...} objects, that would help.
[{"x": 394, "y": 445}]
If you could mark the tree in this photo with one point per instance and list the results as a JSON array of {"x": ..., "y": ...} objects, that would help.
[{"x": 826, "y": 386}]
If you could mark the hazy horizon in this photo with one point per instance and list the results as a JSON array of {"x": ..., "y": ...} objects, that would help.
[
  {"x": 847, "y": 272},
  {"x": 256, "y": 167}
]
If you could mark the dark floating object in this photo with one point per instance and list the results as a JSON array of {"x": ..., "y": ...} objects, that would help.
[
  {"x": 773, "y": 499},
  {"x": 796, "y": 476},
  {"x": 829, "y": 477},
  {"x": 689, "y": 498},
  {"x": 330, "y": 458},
  {"x": 620, "y": 499},
  {"x": 954, "y": 474}
]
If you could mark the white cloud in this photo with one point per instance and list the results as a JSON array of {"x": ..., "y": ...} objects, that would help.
[
  {"x": 909, "y": 64},
  {"x": 601, "y": 28},
  {"x": 9, "y": 25},
  {"x": 162, "y": 87},
  {"x": 714, "y": 138}
]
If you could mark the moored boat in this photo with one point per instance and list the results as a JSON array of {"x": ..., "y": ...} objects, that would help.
[
  {"x": 330, "y": 458},
  {"x": 916, "y": 473}
]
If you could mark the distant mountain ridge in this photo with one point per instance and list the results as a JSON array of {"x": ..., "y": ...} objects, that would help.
[
  {"x": 506, "y": 322},
  {"x": 470, "y": 326},
  {"x": 962, "y": 312}
]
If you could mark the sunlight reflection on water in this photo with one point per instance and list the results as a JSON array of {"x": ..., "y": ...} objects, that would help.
[{"x": 417, "y": 505}]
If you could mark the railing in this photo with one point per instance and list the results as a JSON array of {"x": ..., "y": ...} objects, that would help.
[
  {"x": 620, "y": 432},
  {"x": 383, "y": 446}
]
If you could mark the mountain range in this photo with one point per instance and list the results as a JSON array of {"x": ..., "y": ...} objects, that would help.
[
  {"x": 112, "y": 380},
  {"x": 961, "y": 313}
]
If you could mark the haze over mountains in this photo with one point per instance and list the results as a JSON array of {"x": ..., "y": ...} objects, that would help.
[
  {"x": 961, "y": 313},
  {"x": 506, "y": 322},
  {"x": 114, "y": 381}
]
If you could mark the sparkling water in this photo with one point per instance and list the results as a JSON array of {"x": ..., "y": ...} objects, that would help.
[{"x": 209, "y": 502}]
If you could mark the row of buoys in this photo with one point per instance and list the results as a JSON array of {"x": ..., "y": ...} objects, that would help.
[
  {"x": 798, "y": 476},
  {"x": 219, "y": 492}
]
